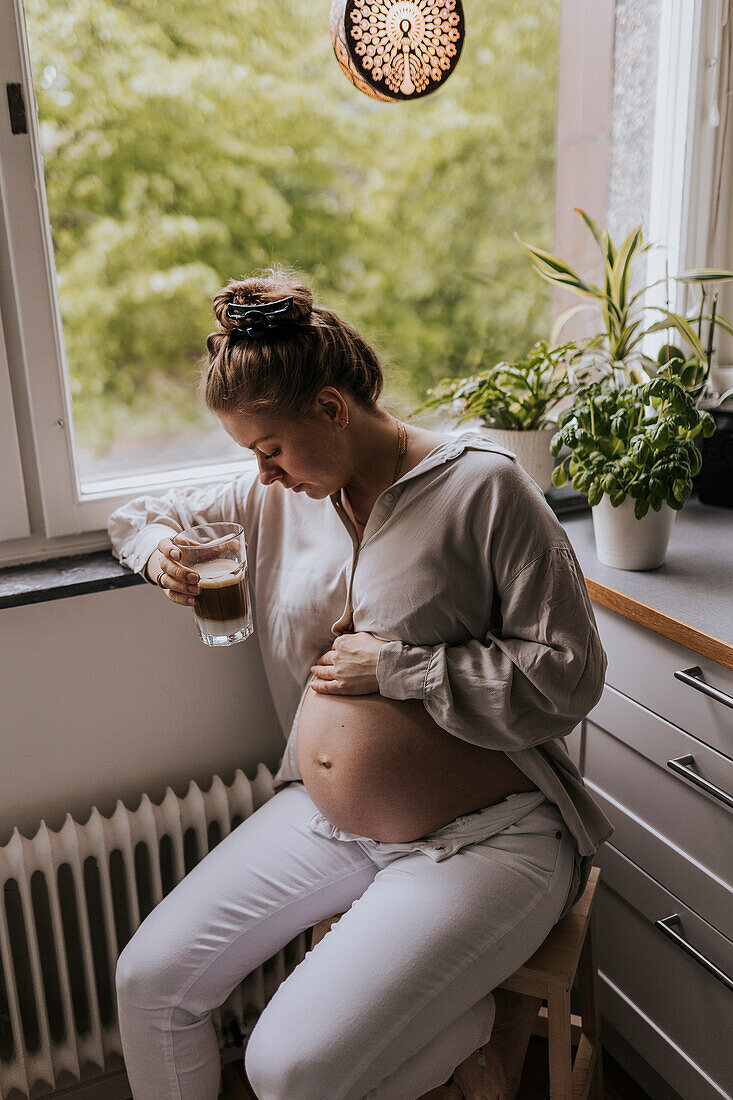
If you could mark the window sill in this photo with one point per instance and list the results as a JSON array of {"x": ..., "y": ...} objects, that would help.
[
  {"x": 98, "y": 571},
  {"x": 61, "y": 577}
]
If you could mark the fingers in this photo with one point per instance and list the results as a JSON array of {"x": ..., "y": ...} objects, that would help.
[
  {"x": 179, "y": 583},
  {"x": 328, "y": 687},
  {"x": 324, "y": 666},
  {"x": 324, "y": 679}
]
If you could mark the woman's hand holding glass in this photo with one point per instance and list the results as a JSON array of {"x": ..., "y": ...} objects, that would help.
[
  {"x": 349, "y": 667},
  {"x": 179, "y": 584}
]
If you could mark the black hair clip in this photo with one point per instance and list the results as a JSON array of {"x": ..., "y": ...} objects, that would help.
[{"x": 261, "y": 318}]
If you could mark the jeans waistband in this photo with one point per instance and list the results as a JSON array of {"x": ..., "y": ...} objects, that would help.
[{"x": 444, "y": 842}]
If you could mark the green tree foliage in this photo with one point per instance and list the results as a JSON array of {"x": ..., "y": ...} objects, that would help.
[{"x": 188, "y": 143}]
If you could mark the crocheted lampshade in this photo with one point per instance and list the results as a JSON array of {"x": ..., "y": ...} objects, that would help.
[{"x": 397, "y": 49}]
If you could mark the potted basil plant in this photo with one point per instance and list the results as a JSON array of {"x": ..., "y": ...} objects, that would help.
[
  {"x": 632, "y": 449},
  {"x": 513, "y": 402}
]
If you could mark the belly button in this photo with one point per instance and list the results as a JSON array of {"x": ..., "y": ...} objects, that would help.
[{"x": 326, "y": 763}]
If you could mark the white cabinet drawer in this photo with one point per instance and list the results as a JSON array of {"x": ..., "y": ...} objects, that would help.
[
  {"x": 673, "y": 1010},
  {"x": 680, "y": 833},
  {"x": 705, "y": 894},
  {"x": 642, "y": 665}
]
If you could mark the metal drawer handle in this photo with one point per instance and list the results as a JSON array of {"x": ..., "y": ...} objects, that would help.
[
  {"x": 682, "y": 766},
  {"x": 664, "y": 926},
  {"x": 694, "y": 677}
]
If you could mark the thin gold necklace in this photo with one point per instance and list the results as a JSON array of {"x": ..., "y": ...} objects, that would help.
[{"x": 401, "y": 449}]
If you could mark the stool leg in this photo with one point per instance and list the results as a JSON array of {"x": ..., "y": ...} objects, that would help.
[
  {"x": 589, "y": 1006},
  {"x": 588, "y": 985},
  {"x": 318, "y": 931},
  {"x": 596, "y": 1085},
  {"x": 559, "y": 1042}
]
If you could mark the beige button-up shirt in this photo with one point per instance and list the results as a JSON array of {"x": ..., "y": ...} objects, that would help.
[{"x": 466, "y": 571}]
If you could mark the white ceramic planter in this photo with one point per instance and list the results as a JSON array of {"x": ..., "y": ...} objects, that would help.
[
  {"x": 625, "y": 542},
  {"x": 532, "y": 450}
]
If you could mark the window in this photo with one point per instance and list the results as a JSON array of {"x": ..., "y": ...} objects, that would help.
[
  {"x": 691, "y": 183},
  {"x": 170, "y": 149}
]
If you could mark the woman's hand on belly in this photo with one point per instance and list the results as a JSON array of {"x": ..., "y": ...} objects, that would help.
[{"x": 349, "y": 667}]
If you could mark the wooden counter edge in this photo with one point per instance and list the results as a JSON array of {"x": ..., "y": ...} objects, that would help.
[{"x": 665, "y": 625}]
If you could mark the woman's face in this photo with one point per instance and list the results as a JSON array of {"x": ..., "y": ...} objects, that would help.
[{"x": 304, "y": 455}]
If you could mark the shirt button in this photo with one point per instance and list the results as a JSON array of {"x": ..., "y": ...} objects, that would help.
[{"x": 389, "y": 497}]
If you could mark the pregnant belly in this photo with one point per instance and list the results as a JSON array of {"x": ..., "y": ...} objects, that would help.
[{"x": 382, "y": 768}]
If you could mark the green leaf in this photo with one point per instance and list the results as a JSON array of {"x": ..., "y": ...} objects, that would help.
[
  {"x": 674, "y": 320},
  {"x": 705, "y": 275},
  {"x": 595, "y": 494},
  {"x": 625, "y": 258},
  {"x": 695, "y": 461},
  {"x": 680, "y": 489},
  {"x": 625, "y": 337},
  {"x": 557, "y": 266},
  {"x": 559, "y": 476},
  {"x": 668, "y": 352},
  {"x": 719, "y": 321},
  {"x": 593, "y": 228}
]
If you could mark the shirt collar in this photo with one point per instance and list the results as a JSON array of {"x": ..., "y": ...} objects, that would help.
[{"x": 470, "y": 440}]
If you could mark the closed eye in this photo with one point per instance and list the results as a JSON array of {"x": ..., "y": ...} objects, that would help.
[{"x": 274, "y": 454}]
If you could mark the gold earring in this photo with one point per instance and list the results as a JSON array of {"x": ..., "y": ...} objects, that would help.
[{"x": 345, "y": 426}]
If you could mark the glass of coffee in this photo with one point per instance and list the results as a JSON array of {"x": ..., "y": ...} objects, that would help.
[{"x": 217, "y": 552}]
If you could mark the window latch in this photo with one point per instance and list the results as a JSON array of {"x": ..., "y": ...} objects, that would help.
[{"x": 16, "y": 106}]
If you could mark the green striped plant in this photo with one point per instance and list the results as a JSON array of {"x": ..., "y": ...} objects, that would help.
[{"x": 627, "y": 321}]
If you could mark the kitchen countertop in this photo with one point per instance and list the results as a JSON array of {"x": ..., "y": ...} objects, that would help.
[{"x": 689, "y": 598}]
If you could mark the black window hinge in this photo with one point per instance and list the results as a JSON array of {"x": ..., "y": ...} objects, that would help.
[{"x": 16, "y": 106}]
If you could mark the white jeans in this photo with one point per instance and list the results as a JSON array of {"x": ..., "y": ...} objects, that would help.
[{"x": 394, "y": 996}]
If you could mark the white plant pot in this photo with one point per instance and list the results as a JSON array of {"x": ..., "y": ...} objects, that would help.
[
  {"x": 625, "y": 542},
  {"x": 532, "y": 449}
]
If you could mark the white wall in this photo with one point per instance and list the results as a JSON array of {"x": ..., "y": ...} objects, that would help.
[{"x": 111, "y": 695}]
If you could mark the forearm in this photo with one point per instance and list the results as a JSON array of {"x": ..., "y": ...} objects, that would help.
[
  {"x": 153, "y": 566},
  {"x": 479, "y": 693},
  {"x": 529, "y": 681}
]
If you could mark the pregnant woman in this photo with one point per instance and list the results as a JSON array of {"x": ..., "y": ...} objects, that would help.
[{"x": 428, "y": 641}]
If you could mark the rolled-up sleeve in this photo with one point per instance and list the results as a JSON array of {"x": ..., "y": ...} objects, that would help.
[
  {"x": 136, "y": 528},
  {"x": 528, "y": 682}
]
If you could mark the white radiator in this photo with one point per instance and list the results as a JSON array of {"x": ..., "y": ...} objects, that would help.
[{"x": 70, "y": 902}]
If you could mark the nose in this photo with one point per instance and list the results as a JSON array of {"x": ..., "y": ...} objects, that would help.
[{"x": 268, "y": 472}]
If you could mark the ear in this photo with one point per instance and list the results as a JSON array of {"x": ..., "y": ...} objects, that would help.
[{"x": 333, "y": 404}]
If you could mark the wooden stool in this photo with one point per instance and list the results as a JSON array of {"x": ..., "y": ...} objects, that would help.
[{"x": 569, "y": 949}]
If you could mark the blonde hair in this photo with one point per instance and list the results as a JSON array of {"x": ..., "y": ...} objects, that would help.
[{"x": 281, "y": 373}]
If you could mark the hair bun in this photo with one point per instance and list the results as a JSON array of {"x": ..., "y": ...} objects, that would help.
[{"x": 274, "y": 283}]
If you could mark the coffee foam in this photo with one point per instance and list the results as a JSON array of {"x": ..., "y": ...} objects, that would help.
[{"x": 218, "y": 574}]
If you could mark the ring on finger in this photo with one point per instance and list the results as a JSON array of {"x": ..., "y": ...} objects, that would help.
[{"x": 157, "y": 579}]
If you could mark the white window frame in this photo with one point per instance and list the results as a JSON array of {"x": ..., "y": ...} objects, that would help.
[
  {"x": 68, "y": 520},
  {"x": 682, "y": 184},
  {"x": 14, "y": 520}
]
